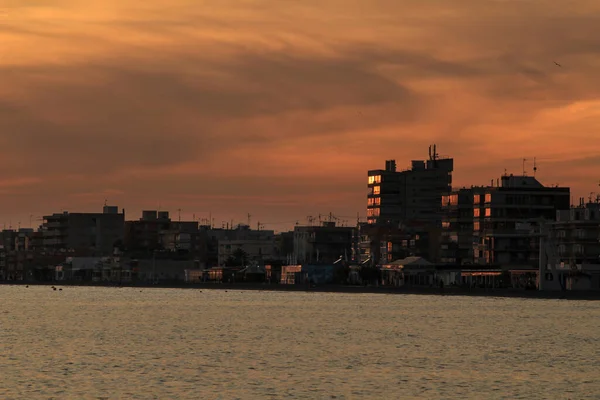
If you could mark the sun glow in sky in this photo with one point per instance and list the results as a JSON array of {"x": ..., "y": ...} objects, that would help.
[{"x": 279, "y": 108}]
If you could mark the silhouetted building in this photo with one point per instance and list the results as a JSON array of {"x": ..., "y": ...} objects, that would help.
[
  {"x": 505, "y": 215},
  {"x": 322, "y": 244},
  {"x": 457, "y": 227},
  {"x": 144, "y": 237},
  {"x": 577, "y": 234},
  {"x": 412, "y": 195},
  {"x": 84, "y": 233}
]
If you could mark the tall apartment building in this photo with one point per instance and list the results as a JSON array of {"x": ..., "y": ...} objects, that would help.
[
  {"x": 576, "y": 234},
  {"x": 504, "y": 215},
  {"x": 409, "y": 196},
  {"x": 85, "y": 233}
]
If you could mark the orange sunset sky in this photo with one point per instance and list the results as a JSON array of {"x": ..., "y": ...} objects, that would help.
[{"x": 279, "y": 108}]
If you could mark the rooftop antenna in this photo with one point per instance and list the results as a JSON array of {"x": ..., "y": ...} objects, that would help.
[
  {"x": 534, "y": 167},
  {"x": 179, "y": 214},
  {"x": 524, "y": 172}
]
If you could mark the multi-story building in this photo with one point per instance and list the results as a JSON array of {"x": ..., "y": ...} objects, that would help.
[
  {"x": 380, "y": 244},
  {"x": 144, "y": 237},
  {"x": 412, "y": 195},
  {"x": 84, "y": 233},
  {"x": 457, "y": 227},
  {"x": 322, "y": 244},
  {"x": 576, "y": 233},
  {"x": 243, "y": 245},
  {"x": 504, "y": 215}
]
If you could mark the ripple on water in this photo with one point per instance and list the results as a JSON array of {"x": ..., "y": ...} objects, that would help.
[{"x": 100, "y": 343}]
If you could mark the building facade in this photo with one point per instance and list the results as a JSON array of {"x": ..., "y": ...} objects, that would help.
[
  {"x": 410, "y": 195},
  {"x": 576, "y": 233},
  {"x": 84, "y": 233},
  {"x": 505, "y": 215}
]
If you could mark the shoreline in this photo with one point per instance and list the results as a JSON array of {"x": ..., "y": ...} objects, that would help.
[{"x": 346, "y": 289}]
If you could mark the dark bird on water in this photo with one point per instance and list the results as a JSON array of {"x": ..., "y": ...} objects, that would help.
[{"x": 557, "y": 64}]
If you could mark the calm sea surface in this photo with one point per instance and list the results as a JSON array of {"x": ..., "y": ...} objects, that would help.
[{"x": 109, "y": 343}]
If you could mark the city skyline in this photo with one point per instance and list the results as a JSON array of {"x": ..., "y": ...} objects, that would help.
[{"x": 280, "y": 110}]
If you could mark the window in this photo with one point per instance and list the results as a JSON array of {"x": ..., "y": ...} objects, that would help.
[
  {"x": 488, "y": 197},
  {"x": 374, "y": 179},
  {"x": 376, "y": 212},
  {"x": 445, "y": 224},
  {"x": 377, "y": 201},
  {"x": 476, "y": 212},
  {"x": 477, "y": 199},
  {"x": 488, "y": 212},
  {"x": 376, "y": 189},
  {"x": 476, "y": 226},
  {"x": 370, "y": 201}
]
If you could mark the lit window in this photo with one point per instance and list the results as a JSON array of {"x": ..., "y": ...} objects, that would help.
[
  {"x": 477, "y": 199},
  {"x": 370, "y": 201},
  {"x": 445, "y": 200},
  {"x": 476, "y": 212},
  {"x": 374, "y": 179},
  {"x": 488, "y": 198},
  {"x": 376, "y": 189},
  {"x": 488, "y": 212},
  {"x": 476, "y": 226},
  {"x": 377, "y": 201},
  {"x": 376, "y": 212}
]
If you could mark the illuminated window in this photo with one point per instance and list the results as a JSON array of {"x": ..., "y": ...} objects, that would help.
[
  {"x": 476, "y": 226},
  {"x": 374, "y": 179},
  {"x": 376, "y": 189},
  {"x": 377, "y": 201},
  {"x": 488, "y": 212},
  {"x": 477, "y": 199},
  {"x": 488, "y": 198},
  {"x": 446, "y": 224},
  {"x": 376, "y": 212},
  {"x": 370, "y": 201},
  {"x": 445, "y": 200},
  {"x": 476, "y": 212},
  {"x": 454, "y": 200}
]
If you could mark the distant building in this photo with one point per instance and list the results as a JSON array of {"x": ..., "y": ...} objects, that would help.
[
  {"x": 323, "y": 244},
  {"x": 457, "y": 227},
  {"x": 144, "y": 236},
  {"x": 412, "y": 195},
  {"x": 84, "y": 233},
  {"x": 504, "y": 216},
  {"x": 577, "y": 234}
]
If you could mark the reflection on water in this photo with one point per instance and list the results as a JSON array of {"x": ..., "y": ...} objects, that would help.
[{"x": 167, "y": 343}]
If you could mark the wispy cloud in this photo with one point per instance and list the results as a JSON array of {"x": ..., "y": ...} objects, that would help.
[{"x": 264, "y": 100}]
